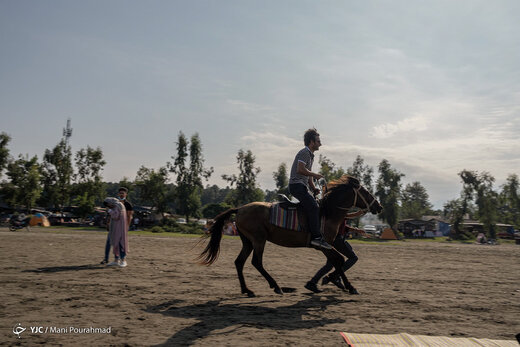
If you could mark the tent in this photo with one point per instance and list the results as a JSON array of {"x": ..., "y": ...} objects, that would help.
[
  {"x": 39, "y": 219},
  {"x": 388, "y": 234}
]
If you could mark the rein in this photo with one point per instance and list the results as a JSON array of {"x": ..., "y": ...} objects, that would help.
[{"x": 357, "y": 193}]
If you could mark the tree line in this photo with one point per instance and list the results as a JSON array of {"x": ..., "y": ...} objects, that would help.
[{"x": 61, "y": 180}]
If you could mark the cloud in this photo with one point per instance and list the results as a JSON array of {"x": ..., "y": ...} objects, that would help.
[{"x": 413, "y": 124}]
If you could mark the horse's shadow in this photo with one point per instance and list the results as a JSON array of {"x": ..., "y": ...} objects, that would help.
[
  {"x": 66, "y": 268},
  {"x": 214, "y": 315}
]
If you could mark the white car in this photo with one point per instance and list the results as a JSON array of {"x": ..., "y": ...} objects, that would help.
[
  {"x": 181, "y": 221},
  {"x": 370, "y": 229}
]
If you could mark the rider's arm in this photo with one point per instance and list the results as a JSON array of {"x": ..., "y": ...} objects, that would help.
[
  {"x": 302, "y": 170},
  {"x": 355, "y": 214}
]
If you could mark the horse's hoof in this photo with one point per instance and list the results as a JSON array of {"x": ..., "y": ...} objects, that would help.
[
  {"x": 278, "y": 291},
  {"x": 250, "y": 294}
]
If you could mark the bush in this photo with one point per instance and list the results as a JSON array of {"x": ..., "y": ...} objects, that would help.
[
  {"x": 170, "y": 226},
  {"x": 157, "y": 229}
]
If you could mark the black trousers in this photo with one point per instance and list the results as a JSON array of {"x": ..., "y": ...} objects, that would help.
[
  {"x": 310, "y": 206},
  {"x": 342, "y": 245}
]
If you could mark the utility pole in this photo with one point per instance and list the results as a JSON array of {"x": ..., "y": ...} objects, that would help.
[{"x": 67, "y": 132}]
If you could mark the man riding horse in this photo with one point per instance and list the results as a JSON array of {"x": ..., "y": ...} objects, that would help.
[{"x": 301, "y": 180}]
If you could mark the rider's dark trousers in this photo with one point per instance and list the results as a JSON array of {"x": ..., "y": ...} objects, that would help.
[
  {"x": 344, "y": 248},
  {"x": 310, "y": 207}
]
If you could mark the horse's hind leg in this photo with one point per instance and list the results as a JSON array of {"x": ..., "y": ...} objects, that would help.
[
  {"x": 247, "y": 247},
  {"x": 258, "y": 264}
]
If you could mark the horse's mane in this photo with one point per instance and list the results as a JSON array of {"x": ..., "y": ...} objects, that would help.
[{"x": 336, "y": 191}]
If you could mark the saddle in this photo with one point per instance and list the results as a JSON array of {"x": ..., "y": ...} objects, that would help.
[{"x": 288, "y": 214}]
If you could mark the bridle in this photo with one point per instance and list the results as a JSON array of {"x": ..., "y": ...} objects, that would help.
[
  {"x": 367, "y": 205},
  {"x": 357, "y": 193}
]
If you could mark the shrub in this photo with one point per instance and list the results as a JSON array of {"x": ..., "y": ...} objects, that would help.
[{"x": 157, "y": 229}]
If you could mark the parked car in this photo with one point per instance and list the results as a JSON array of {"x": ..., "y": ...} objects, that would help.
[
  {"x": 181, "y": 220},
  {"x": 371, "y": 229}
]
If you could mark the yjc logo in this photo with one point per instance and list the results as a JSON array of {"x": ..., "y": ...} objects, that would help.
[{"x": 18, "y": 329}]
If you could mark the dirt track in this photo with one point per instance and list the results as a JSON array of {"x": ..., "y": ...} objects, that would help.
[{"x": 162, "y": 297}]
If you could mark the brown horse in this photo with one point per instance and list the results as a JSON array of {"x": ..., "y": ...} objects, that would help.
[{"x": 254, "y": 229}]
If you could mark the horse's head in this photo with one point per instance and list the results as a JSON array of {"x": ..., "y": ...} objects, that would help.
[
  {"x": 346, "y": 192},
  {"x": 363, "y": 198}
]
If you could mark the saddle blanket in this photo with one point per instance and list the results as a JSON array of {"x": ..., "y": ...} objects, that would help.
[
  {"x": 284, "y": 218},
  {"x": 407, "y": 340}
]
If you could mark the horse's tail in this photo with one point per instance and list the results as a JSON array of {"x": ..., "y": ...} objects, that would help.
[{"x": 210, "y": 253}]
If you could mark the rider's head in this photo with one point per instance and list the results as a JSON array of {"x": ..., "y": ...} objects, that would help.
[{"x": 311, "y": 138}]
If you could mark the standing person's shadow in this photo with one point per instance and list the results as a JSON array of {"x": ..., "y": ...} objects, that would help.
[{"x": 213, "y": 315}]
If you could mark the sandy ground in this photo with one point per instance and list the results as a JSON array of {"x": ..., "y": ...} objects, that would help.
[{"x": 52, "y": 281}]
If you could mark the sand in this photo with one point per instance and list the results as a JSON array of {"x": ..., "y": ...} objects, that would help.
[{"x": 52, "y": 282}]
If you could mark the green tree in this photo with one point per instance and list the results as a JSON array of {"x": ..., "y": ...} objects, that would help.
[
  {"x": 509, "y": 201},
  {"x": 362, "y": 172},
  {"x": 4, "y": 151},
  {"x": 189, "y": 178},
  {"x": 57, "y": 173},
  {"x": 24, "y": 187},
  {"x": 388, "y": 188},
  {"x": 281, "y": 179},
  {"x": 415, "y": 201},
  {"x": 89, "y": 187},
  {"x": 246, "y": 190},
  {"x": 212, "y": 210},
  {"x": 214, "y": 194},
  {"x": 480, "y": 186},
  {"x": 328, "y": 169},
  {"x": 153, "y": 187}
]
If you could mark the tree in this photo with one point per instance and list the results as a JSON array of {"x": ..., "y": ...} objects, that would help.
[
  {"x": 214, "y": 194},
  {"x": 57, "y": 172},
  {"x": 328, "y": 169},
  {"x": 246, "y": 190},
  {"x": 415, "y": 201},
  {"x": 4, "y": 151},
  {"x": 212, "y": 210},
  {"x": 189, "y": 179},
  {"x": 480, "y": 187},
  {"x": 388, "y": 189},
  {"x": 509, "y": 201},
  {"x": 24, "y": 187},
  {"x": 153, "y": 187},
  {"x": 89, "y": 187},
  {"x": 281, "y": 179},
  {"x": 362, "y": 172}
]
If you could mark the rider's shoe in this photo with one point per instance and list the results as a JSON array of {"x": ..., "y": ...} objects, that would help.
[
  {"x": 122, "y": 263},
  {"x": 334, "y": 280},
  {"x": 320, "y": 243},
  {"x": 312, "y": 287}
]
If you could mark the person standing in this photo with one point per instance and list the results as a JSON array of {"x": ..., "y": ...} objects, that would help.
[
  {"x": 122, "y": 196},
  {"x": 301, "y": 180},
  {"x": 118, "y": 234}
]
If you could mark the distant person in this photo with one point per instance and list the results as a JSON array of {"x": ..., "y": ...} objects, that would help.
[
  {"x": 136, "y": 222},
  {"x": 343, "y": 246},
  {"x": 122, "y": 196},
  {"x": 301, "y": 180},
  {"x": 118, "y": 231}
]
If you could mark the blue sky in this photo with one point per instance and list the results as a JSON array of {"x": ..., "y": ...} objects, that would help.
[{"x": 431, "y": 86}]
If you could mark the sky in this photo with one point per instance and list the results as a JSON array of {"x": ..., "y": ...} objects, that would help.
[{"x": 431, "y": 86}]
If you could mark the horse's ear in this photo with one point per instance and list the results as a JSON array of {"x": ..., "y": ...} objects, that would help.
[{"x": 355, "y": 182}]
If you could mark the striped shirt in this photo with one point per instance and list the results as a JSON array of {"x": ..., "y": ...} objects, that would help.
[{"x": 304, "y": 155}]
